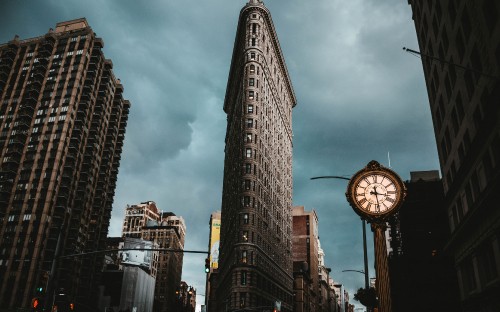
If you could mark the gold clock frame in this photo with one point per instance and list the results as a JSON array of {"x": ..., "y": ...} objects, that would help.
[{"x": 372, "y": 168}]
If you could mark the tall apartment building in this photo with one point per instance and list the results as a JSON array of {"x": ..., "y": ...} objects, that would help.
[
  {"x": 460, "y": 45},
  {"x": 62, "y": 121},
  {"x": 167, "y": 230},
  {"x": 255, "y": 268},
  {"x": 305, "y": 255}
]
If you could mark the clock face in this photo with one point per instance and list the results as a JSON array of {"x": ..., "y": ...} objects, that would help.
[{"x": 375, "y": 192}]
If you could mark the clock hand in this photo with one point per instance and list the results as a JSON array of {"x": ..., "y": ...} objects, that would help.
[{"x": 376, "y": 196}]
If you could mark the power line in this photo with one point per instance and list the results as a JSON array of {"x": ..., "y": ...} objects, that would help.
[{"x": 127, "y": 249}]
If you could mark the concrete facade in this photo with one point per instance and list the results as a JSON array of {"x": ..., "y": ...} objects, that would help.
[
  {"x": 255, "y": 252},
  {"x": 63, "y": 119}
]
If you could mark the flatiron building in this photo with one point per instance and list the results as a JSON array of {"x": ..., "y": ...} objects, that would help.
[
  {"x": 62, "y": 125},
  {"x": 255, "y": 269}
]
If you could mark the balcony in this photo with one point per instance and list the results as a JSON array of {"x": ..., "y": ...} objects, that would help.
[
  {"x": 30, "y": 100},
  {"x": 77, "y": 129},
  {"x": 72, "y": 149},
  {"x": 4, "y": 67}
]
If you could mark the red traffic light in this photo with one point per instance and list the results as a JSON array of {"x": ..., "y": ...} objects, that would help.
[{"x": 35, "y": 303}]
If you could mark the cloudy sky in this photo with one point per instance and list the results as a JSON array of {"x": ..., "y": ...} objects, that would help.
[{"x": 359, "y": 97}]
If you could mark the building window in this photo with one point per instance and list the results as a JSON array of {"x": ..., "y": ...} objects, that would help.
[
  {"x": 253, "y": 42},
  {"x": 251, "y": 82},
  {"x": 250, "y": 109},
  {"x": 248, "y": 168},
  {"x": 244, "y": 236},
  {"x": 251, "y": 95},
  {"x": 469, "y": 276},
  {"x": 249, "y": 138},
  {"x": 252, "y": 69},
  {"x": 252, "y": 55},
  {"x": 244, "y": 256},
  {"x": 246, "y": 201},
  {"x": 249, "y": 123},
  {"x": 248, "y": 152},
  {"x": 243, "y": 278},
  {"x": 488, "y": 263}
]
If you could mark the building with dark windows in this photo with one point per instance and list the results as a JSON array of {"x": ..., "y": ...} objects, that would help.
[
  {"x": 255, "y": 261},
  {"x": 62, "y": 120},
  {"x": 459, "y": 42},
  {"x": 166, "y": 230},
  {"x": 417, "y": 263}
]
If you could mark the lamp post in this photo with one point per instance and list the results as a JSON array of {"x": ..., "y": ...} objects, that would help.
[{"x": 367, "y": 286}]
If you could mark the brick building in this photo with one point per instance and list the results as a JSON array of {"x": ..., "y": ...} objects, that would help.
[{"x": 305, "y": 255}]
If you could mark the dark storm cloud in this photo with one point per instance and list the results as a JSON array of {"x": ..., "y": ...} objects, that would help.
[{"x": 359, "y": 97}]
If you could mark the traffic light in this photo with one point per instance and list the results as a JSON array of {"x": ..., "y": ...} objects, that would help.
[
  {"x": 207, "y": 265},
  {"x": 36, "y": 304}
]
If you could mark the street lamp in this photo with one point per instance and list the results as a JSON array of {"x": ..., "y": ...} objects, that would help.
[
  {"x": 359, "y": 271},
  {"x": 365, "y": 254}
]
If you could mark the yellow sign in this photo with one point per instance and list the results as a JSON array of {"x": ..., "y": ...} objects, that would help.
[{"x": 214, "y": 243}]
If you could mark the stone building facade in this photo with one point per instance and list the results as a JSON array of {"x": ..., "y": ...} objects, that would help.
[
  {"x": 62, "y": 121},
  {"x": 255, "y": 268}
]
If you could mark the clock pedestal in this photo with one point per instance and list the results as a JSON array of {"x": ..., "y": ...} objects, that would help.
[
  {"x": 383, "y": 284},
  {"x": 375, "y": 193}
]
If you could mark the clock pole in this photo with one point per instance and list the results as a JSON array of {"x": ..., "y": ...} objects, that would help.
[{"x": 381, "y": 267}]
